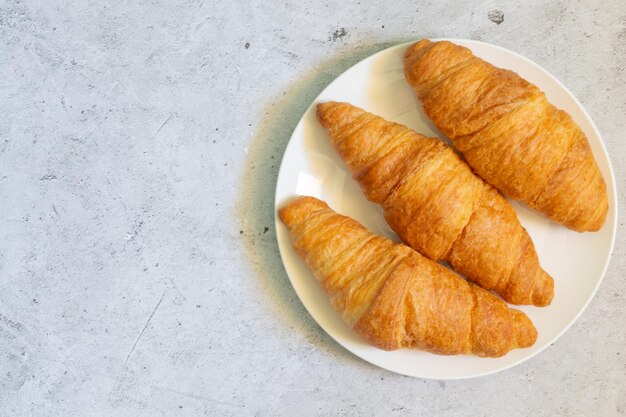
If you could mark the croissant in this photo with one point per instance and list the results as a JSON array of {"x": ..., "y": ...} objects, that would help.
[
  {"x": 436, "y": 204},
  {"x": 392, "y": 296},
  {"x": 509, "y": 133}
]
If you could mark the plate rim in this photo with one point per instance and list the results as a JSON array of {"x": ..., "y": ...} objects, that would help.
[{"x": 278, "y": 222}]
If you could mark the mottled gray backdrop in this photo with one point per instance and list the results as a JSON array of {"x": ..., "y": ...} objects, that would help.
[{"x": 139, "y": 148}]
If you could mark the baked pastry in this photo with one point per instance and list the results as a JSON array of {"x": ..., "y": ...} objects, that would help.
[
  {"x": 392, "y": 296},
  {"x": 437, "y": 205},
  {"x": 509, "y": 133}
]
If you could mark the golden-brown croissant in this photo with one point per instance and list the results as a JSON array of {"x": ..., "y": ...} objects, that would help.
[
  {"x": 437, "y": 205},
  {"x": 509, "y": 133},
  {"x": 392, "y": 296}
]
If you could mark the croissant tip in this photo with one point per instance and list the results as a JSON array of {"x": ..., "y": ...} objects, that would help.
[
  {"x": 593, "y": 227},
  {"x": 326, "y": 105},
  {"x": 526, "y": 333},
  {"x": 332, "y": 114},
  {"x": 416, "y": 46},
  {"x": 293, "y": 211},
  {"x": 323, "y": 108},
  {"x": 544, "y": 291}
]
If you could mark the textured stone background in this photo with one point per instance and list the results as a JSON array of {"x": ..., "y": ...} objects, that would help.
[{"x": 139, "y": 148}]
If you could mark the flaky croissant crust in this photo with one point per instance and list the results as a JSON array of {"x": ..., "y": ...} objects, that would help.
[
  {"x": 392, "y": 296},
  {"x": 437, "y": 205},
  {"x": 509, "y": 133}
]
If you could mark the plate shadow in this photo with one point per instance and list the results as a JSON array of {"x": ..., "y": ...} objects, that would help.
[{"x": 255, "y": 206}]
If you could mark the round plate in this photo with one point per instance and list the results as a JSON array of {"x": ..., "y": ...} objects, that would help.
[{"x": 577, "y": 261}]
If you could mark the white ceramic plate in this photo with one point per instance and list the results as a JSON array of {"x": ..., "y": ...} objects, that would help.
[{"x": 310, "y": 167}]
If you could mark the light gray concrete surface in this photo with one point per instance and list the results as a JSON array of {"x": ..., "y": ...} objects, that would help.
[{"x": 139, "y": 147}]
